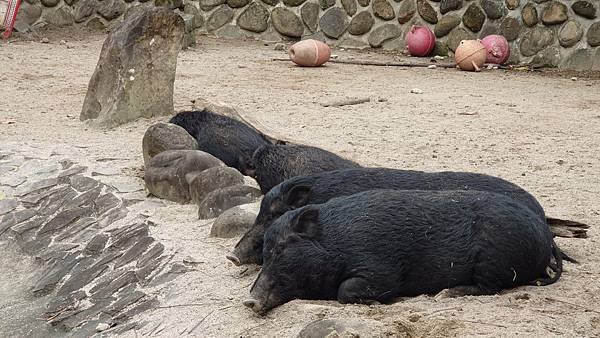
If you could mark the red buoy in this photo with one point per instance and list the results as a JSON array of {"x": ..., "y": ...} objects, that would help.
[
  {"x": 310, "y": 53},
  {"x": 498, "y": 50},
  {"x": 420, "y": 41}
]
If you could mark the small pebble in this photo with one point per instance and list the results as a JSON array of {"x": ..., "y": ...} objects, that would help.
[
  {"x": 45, "y": 40},
  {"x": 63, "y": 42},
  {"x": 241, "y": 66},
  {"x": 574, "y": 78},
  {"x": 382, "y": 99},
  {"x": 438, "y": 57},
  {"x": 333, "y": 56},
  {"x": 102, "y": 327},
  {"x": 279, "y": 46},
  {"x": 432, "y": 66},
  {"x": 416, "y": 91}
]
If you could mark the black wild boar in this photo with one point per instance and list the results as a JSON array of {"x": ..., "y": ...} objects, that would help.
[
  {"x": 231, "y": 141},
  {"x": 274, "y": 164},
  {"x": 319, "y": 188},
  {"x": 377, "y": 245}
]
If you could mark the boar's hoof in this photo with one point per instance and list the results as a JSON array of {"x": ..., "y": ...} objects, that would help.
[{"x": 235, "y": 261}]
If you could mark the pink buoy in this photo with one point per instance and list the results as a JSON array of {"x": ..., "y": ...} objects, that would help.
[
  {"x": 420, "y": 41},
  {"x": 498, "y": 50},
  {"x": 470, "y": 55},
  {"x": 310, "y": 53}
]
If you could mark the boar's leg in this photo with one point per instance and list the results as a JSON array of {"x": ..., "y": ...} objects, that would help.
[{"x": 361, "y": 291}]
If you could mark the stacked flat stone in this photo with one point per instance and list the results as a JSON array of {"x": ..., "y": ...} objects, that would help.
[{"x": 543, "y": 32}]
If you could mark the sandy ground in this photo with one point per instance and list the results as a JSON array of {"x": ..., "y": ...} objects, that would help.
[{"x": 541, "y": 132}]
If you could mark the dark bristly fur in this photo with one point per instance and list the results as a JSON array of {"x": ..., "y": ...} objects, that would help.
[
  {"x": 319, "y": 188},
  {"x": 274, "y": 164},
  {"x": 231, "y": 141},
  {"x": 377, "y": 245}
]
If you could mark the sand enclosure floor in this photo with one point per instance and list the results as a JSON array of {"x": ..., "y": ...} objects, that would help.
[{"x": 541, "y": 132}]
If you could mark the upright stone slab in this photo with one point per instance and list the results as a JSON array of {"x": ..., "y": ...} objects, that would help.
[{"x": 136, "y": 70}]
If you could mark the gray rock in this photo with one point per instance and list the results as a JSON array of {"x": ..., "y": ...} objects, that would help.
[
  {"x": 237, "y": 3},
  {"x": 54, "y": 274},
  {"x": 106, "y": 202},
  {"x": 219, "y": 18},
  {"x": 134, "y": 252},
  {"x": 384, "y": 10},
  {"x": 271, "y": 2},
  {"x": 124, "y": 302},
  {"x": 286, "y": 22},
  {"x": 230, "y": 31},
  {"x": 570, "y": 33},
  {"x": 530, "y": 15},
  {"x": 105, "y": 291},
  {"x": 293, "y": 3},
  {"x": 15, "y": 218},
  {"x": 71, "y": 171},
  {"x": 383, "y": 33},
  {"x": 150, "y": 255},
  {"x": 426, "y": 11},
  {"x": 349, "y": 6},
  {"x": 489, "y": 28},
  {"x": 79, "y": 230},
  {"x": 319, "y": 36},
  {"x": 398, "y": 44},
  {"x": 170, "y": 4},
  {"x": 111, "y": 9},
  {"x": 334, "y": 22},
  {"x": 343, "y": 327},
  {"x": 494, "y": 9},
  {"x": 166, "y": 136},
  {"x": 58, "y": 17},
  {"x": 112, "y": 216},
  {"x": 593, "y": 34},
  {"x": 326, "y": 4},
  {"x": 310, "y": 15},
  {"x": 123, "y": 86},
  {"x": 7, "y": 206},
  {"x": 222, "y": 199},
  {"x": 165, "y": 176},
  {"x": 580, "y": 59},
  {"x": 512, "y": 4},
  {"x": 36, "y": 186},
  {"x": 361, "y": 23},
  {"x": 232, "y": 223},
  {"x": 96, "y": 245},
  {"x": 446, "y": 24},
  {"x": 585, "y": 9},
  {"x": 441, "y": 49},
  {"x": 456, "y": 36},
  {"x": 510, "y": 28},
  {"x": 364, "y": 3},
  {"x": 450, "y": 5},
  {"x": 254, "y": 18},
  {"x": 351, "y": 43},
  {"x": 554, "y": 13},
  {"x": 50, "y": 3},
  {"x": 549, "y": 58},
  {"x": 212, "y": 179},
  {"x": 28, "y": 13},
  {"x": 190, "y": 7},
  {"x": 596, "y": 63},
  {"x": 78, "y": 281},
  {"x": 406, "y": 11},
  {"x": 96, "y": 24},
  {"x": 535, "y": 40},
  {"x": 207, "y": 5},
  {"x": 82, "y": 183},
  {"x": 474, "y": 18},
  {"x": 64, "y": 219},
  {"x": 52, "y": 203}
]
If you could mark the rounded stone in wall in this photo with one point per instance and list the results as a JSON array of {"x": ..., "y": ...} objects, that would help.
[
  {"x": 310, "y": 15},
  {"x": 364, "y": 3},
  {"x": 456, "y": 36},
  {"x": 237, "y": 3},
  {"x": 207, "y": 5},
  {"x": 96, "y": 24},
  {"x": 593, "y": 34},
  {"x": 426, "y": 11},
  {"x": 585, "y": 9},
  {"x": 50, "y": 3},
  {"x": 512, "y": 4},
  {"x": 596, "y": 63},
  {"x": 293, "y": 3},
  {"x": 286, "y": 22},
  {"x": 450, "y": 5},
  {"x": 570, "y": 33},
  {"x": 254, "y": 18},
  {"x": 474, "y": 18},
  {"x": 440, "y": 48},
  {"x": 446, "y": 24},
  {"x": 28, "y": 13},
  {"x": 494, "y": 9},
  {"x": 489, "y": 28},
  {"x": 406, "y": 11},
  {"x": 271, "y": 2},
  {"x": 554, "y": 13},
  {"x": 326, "y": 4},
  {"x": 580, "y": 59},
  {"x": 219, "y": 18},
  {"x": 510, "y": 28},
  {"x": 535, "y": 40},
  {"x": 334, "y": 22},
  {"x": 59, "y": 17},
  {"x": 549, "y": 58},
  {"x": 349, "y": 6},
  {"x": 111, "y": 9},
  {"x": 383, "y": 33},
  {"x": 361, "y": 23},
  {"x": 529, "y": 15},
  {"x": 383, "y": 10},
  {"x": 190, "y": 8}
]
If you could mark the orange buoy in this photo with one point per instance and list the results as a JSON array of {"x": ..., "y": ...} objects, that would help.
[
  {"x": 470, "y": 55},
  {"x": 310, "y": 53}
]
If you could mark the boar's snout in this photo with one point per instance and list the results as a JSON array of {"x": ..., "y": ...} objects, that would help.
[
  {"x": 254, "y": 305},
  {"x": 233, "y": 258}
]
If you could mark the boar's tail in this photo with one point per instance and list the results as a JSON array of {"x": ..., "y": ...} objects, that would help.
[
  {"x": 554, "y": 268},
  {"x": 567, "y": 228}
]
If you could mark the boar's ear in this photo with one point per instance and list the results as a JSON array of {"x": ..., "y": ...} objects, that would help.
[
  {"x": 306, "y": 222},
  {"x": 297, "y": 196},
  {"x": 247, "y": 165}
]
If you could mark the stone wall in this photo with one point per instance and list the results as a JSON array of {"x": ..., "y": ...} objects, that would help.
[{"x": 551, "y": 33}]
